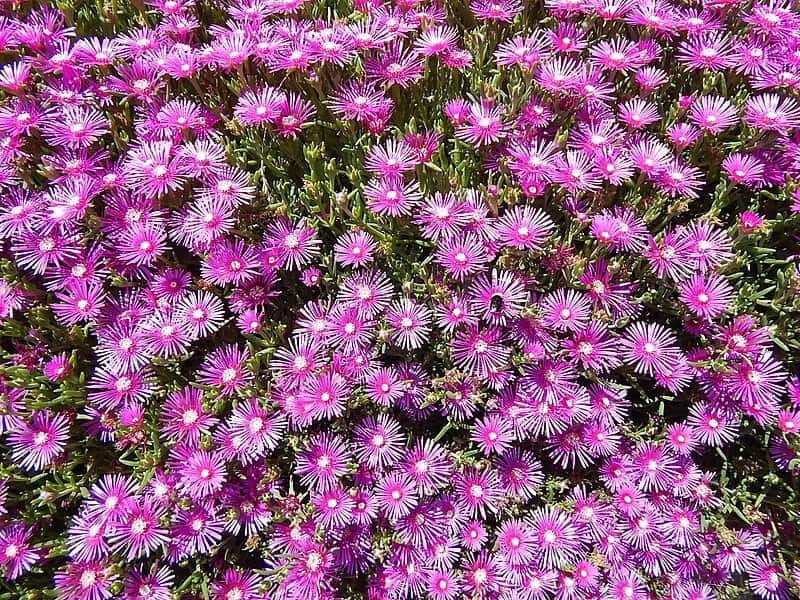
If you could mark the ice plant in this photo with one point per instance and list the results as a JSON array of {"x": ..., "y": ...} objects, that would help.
[{"x": 411, "y": 300}]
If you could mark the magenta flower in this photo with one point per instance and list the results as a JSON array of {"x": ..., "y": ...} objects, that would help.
[
  {"x": 137, "y": 532},
  {"x": 16, "y": 555},
  {"x": 36, "y": 444},
  {"x": 355, "y": 248},
  {"x": 707, "y": 296},
  {"x": 225, "y": 368}
]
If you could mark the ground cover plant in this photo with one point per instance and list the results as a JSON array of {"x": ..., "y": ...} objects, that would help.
[{"x": 326, "y": 299}]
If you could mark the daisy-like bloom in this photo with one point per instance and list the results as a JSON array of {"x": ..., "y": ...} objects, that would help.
[
  {"x": 750, "y": 221},
  {"x": 383, "y": 387},
  {"x": 771, "y": 112},
  {"x": 499, "y": 297},
  {"x": 141, "y": 244},
  {"x": 111, "y": 497},
  {"x": 614, "y": 167},
  {"x": 532, "y": 159},
  {"x": 680, "y": 179},
  {"x": 152, "y": 170},
  {"x": 254, "y": 430},
  {"x": 36, "y": 250},
  {"x": 392, "y": 159},
  {"x": 166, "y": 335},
  {"x": 565, "y": 310},
  {"x": 681, "y": 438},
  {"x": 441, "y": 216},
  {"x": 230, "y": 262},
  {"x": 294, "y": 363},
  {"x": 379, "y": 441},
  {"x": 39, "y": 442},
  {"x": 713, "y": 114},
  {"x": 295, "y": 113},
  {"x": 86, "y": 537},
  {"x": 524, "y": 227},
  {"x": 391, "y": 197},
  {"x": 257, "y": 107},
  {"x": 201, "y": 158},
  {"x": 709, "y": 246},
  {"x": 155, "y": 585},
  {"x": 593, "y": 348},
  {"x": 194, "y": 531},
  {"x": 323, "y": 395},
  {"x": 443, "y": 585},
  {"x": 757, "y": 382},
  {"x": 203, "y": 312},
  {"x": 396, "y": 65},
  {"x": 567, "y": 38},
  {"x": 617, "y": 54},
  {"x": 226, "y": 368},
  {"x": 90, "y": 580},
  {"x": 57, "y": 368},
  {"x": 555, "y": 536},
  {"x": 484, "y": 124},
  {"x": 516, "y": 542},
  {"x": 228, "y": 186},
  {"x": 334, "y": 507},
  {"x": 683, "y": 135},
  {"x": 712, "y": 51},
  {"x": 520, "y": 473},
  {"x": 310, "y": 571},
  {"x": 297, "y": 243},
  {"x": 80, "y": 301},
  {"x": 789, "y": 422},
  {"x": 601, "y": 438},
  {"x": 396, "y": 495},
  {"x": 355, "y": 248},
  {"x": 182, "y": 417},
  {"x": 767, "y": 581},
  {"x": 455, "y": 312},
  {"x": 657, "y": 467},
  {"x": 16, "y": 555},
  {"x": 480, "y": 351},
  {"x": 461, "y": 255},
  {"x": 428, "y": 464},
  {"x": 493, "y": 434},
  {"x": 670, "y": 256},
  {"x": 76, "y": 126},
  {"x": 202, "y": 474},
  {"x": 638, "y": 113},
  {"x": 575, "y": 172},
  {"x": 349, "y": 330},
  {"x": 369, "y": 292},
  {"x": 323, "y": 461},
  {"x": 744, "y": 168},
  {"x": 707, "y": 296},
  {"x": 457, "y": 111},
  {"x": 478, "y": 491},
  {"x": 651, "y": 348},
  {"x": 356, "y": 101},
  {"x": 138, "y": 532},
  {"x": 410, "y": 323},
  {"x": 437, "y": 41},
  {"x": 713, "y": 427},
  {"x": 650, "y": 78},
  {"x": 121, "y": 348},
  {"x": 523, "y": 51},
  {"x": 501, "y": 12}
]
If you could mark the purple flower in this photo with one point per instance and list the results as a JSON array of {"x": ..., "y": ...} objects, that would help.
[
  {"x": 16, "y": 554},
  {"x": 137, "y": 532},
  {"x": 36, "y": 444}
]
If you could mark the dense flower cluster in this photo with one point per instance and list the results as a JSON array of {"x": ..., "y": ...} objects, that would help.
[{"x": 312, "y": 300}]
